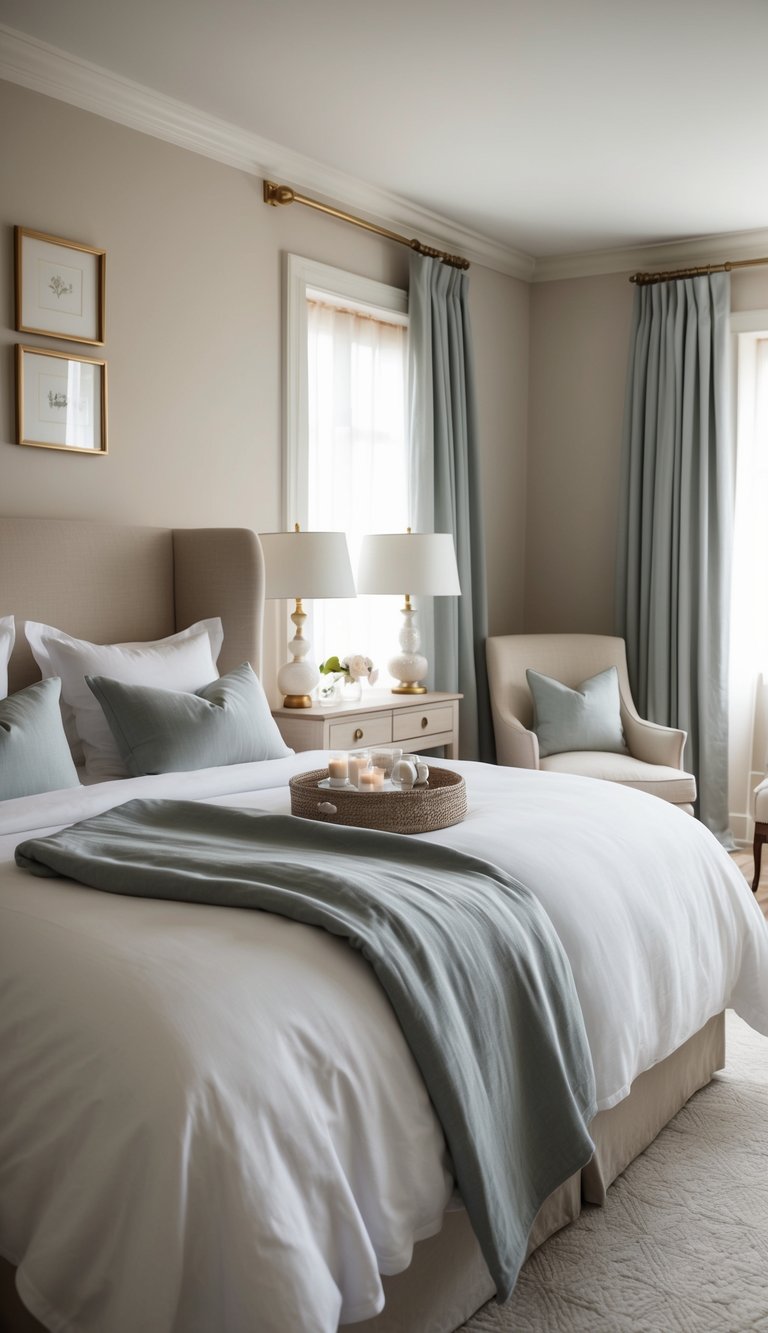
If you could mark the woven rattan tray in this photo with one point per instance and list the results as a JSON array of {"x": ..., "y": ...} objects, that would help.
[{"x": 441, "y": 803}]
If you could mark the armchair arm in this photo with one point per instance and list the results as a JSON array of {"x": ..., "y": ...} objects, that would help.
[
  {"x": 515, "y": 747},
  {"x": 652, "y": 743}
]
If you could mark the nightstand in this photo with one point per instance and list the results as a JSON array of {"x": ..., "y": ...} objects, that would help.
[{"x": 414, "y": 722}]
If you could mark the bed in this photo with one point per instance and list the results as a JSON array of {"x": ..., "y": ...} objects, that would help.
[{"x": 104, "y": 1227}]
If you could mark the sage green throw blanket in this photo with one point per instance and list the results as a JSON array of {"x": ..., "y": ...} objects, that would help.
[{"x": 470, "y": 962}]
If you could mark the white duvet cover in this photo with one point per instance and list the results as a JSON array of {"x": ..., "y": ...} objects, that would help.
[{"x": 209, "y": 1120}]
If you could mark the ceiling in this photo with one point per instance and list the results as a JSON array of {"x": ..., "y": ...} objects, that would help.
[{"x": 547, "y": 126}]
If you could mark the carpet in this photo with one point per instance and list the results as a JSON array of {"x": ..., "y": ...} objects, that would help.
[{"x": 681, "y": 1243}]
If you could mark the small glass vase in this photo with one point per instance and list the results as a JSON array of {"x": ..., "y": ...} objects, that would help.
[
  {"x": 328, "y": 690},
  {"x": 336, "y": 688},
  {"x": 351, "y": 691}
]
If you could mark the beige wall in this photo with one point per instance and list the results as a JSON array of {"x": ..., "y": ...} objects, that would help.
[
  {"x": 749, "y": 289},
  {"x": 579, "y": 337},
  {"x": 194, "y": 334}
]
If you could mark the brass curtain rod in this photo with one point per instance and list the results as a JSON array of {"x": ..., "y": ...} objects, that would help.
[
  {"x": 646, "y": 279},
  {"x": 283, "y": 194}
]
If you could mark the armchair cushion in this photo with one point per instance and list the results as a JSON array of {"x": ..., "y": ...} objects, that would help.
[
  {"x": 587, "y": 718},
  {"x": 671, "y": 784}
]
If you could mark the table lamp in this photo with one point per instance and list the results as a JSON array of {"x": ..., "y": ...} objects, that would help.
[
  {"x": 424, "y": 562},
  {"x": 304, "y": 564}
]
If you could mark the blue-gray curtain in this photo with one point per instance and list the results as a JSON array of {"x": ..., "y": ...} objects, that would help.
[
  {"x": 675, "y": 523},
  {"x": 445, "y": 487}
]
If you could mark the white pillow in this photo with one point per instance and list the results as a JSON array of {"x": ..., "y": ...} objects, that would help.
[
  {"x": 184, "y": 661},
  {"x": 7, "y": 640}
]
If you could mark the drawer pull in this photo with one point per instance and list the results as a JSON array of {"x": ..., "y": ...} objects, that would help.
[
  {"x": 326, "y": 808},
  {"x": 425, "y": 722},
  {"x": 358, "y": 733}
]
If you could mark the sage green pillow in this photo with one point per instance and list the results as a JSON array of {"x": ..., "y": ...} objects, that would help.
[
  {"x": 167, "y": 731},
  {"x": 34, "y": 754},
  {"x": 587, "y": 718}
]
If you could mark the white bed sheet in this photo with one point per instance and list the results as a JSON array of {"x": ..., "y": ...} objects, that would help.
[{"x": 210, "y": 1115}]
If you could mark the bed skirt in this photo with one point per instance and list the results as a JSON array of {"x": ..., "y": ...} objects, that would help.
[{"x": 447, "y": 1280}]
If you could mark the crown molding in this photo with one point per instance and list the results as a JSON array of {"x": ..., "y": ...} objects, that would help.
[
  {"x": 668, "y": 254},
  {"x": 46, "y": 69},
  {"x": 54, "y": 73}
]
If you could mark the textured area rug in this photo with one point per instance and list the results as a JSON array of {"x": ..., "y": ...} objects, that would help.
[{"x": 681, "y": 1243}]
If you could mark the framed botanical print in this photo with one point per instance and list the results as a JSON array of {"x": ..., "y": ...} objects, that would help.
[
  {"x": 61, "y": 400},
  {"x": 60, "y": 287}
]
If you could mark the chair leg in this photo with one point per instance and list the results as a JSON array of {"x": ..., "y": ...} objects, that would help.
[{"x": 761, "y": 836}]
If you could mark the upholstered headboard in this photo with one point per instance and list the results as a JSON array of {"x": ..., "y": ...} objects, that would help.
[{"x": 113, "y": 584}]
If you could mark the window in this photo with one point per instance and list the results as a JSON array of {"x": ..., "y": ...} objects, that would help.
[
  {"x": 749, "y": 623},
  {"x": 346, "y": 421}
]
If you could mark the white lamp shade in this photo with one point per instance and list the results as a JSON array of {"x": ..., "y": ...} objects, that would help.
[
  {"x": 421, "y": 563},
  {"x": 307, "y": 564}
]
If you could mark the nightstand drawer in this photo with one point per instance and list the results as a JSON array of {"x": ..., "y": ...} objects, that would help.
[
  {"x": 365, "y": 731},
  {"x": 380, "y": 718},
  {"x": 415, "y": 722}
]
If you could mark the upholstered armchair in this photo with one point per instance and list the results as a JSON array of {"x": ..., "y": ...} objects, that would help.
[
  {"x": 654, "y": 759},
  {"x": 761, "y": 828}
]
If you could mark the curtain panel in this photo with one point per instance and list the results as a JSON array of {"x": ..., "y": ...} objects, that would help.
[
  {"x": 445, "y": 486},
  {"x": 675, "y": 523}
]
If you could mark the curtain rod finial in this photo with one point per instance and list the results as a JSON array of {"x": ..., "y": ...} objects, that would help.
[{"x": 277, "y": 194}]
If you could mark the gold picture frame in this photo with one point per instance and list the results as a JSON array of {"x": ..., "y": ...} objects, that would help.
[
  {"x": 61, "y": 407},
  {"x": 60, "y": 287}
]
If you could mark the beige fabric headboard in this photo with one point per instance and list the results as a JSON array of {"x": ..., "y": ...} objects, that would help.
[{"x": 113, "y": 584}]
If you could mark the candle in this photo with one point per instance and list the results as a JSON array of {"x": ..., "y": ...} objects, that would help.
[
  {"x": 337, "y": 770},
  {"x": 369, "y": 779},
  {"x": 358, "y": 763},
  {"x": 385, "y": 759},
  {"x": 378, "y": 775}
]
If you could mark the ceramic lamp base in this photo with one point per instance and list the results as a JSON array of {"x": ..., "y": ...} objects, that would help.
[
  {"x": 409, "y": 667},
  {"x": 296, "y": 680}
]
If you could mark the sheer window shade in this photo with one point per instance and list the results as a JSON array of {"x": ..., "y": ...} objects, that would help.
[
  {"x": 357, "y": 460},
  {"x": 748, "y": 720}
]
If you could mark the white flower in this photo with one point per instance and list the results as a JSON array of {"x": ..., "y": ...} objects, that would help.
[{"x": 358, "y": 666}]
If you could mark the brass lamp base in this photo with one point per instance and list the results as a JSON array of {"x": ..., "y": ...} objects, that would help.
[
  {"x": 297, "y": 701},
  {"x": 405, "y": 687}
]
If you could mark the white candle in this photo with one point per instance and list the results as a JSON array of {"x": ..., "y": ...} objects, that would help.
[
  {"x": 378, "y": 776},
  {"x": 337, "y": 770},
  {"x": 358, "y": 763},
  {"x": 369, "y": 779},
  {"x": 385, "y": 759}
]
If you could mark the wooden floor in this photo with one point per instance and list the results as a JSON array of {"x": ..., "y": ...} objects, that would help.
[{"x": 743, "y": 859}]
